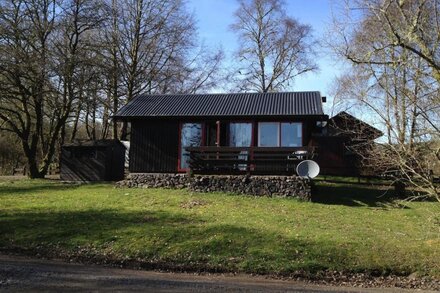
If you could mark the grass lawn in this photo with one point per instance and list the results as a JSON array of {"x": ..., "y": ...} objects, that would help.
[{"x": 347, "y": 228}]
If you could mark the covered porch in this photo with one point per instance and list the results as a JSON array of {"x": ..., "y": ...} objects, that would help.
[
  {"x": 245, "y": 133},
  {"x": 247, "y": 160},
  {"x": 263, "y": 146}
]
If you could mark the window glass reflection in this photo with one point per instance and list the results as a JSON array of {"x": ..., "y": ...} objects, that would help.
[
  {"x": 190, "y": 136},
  {"x": 275, "y": 134},
  {"x": 240, "y": 134},
  {"x": 291, "y": 134},
  {"x": 268, "y": 134}
]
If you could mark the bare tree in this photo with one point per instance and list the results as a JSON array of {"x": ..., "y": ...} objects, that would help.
[
  {"x": 191, "y": 75},
  {"x": 114, "y": 61},
  {"x": 66, "y": 66},
  {"x": 411, "y": 25},
  {"x": 394, "y": 77},
  {"x": 26, "y": 29},
  {"x": 158, "y": 50},
  {"x": 152, "y": 32},
  {"x": 274, "y": 48},
  {"x": 41, "y": 48},
  {"x": 11, "y": 153}
]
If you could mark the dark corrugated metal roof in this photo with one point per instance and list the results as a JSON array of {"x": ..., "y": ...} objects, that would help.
[{"x": 245, "y": 104}]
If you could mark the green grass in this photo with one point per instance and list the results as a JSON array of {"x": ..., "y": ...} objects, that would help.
[{"x": 347, "y": 227}]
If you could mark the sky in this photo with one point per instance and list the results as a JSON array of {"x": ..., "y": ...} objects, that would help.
[{"x": 215, "y": 16}]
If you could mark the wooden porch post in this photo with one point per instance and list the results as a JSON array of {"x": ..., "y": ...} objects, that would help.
[{"x": 217, "y": 143}]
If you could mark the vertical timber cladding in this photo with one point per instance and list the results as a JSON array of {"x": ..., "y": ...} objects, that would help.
[{"x": 154, "y": 146}]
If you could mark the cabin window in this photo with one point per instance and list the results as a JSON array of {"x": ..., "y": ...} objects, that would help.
[
  {"x": 240, "y": 134},
  {"x": 291, "y": 134},
  {"x": 276, "y": 134},
  {"x": 190, "y": 136},
  {"x": 268, "y": 134}
]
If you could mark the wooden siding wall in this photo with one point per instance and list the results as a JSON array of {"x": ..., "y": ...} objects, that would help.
[
  {"x": 154, "y": 146},
  {"x": 332, "y": 158},
  {"x": 115, "y": 163},
  {"x": 76, "y": 165}
]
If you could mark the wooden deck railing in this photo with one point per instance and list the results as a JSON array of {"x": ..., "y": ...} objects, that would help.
[{"x": 255, "y": 160}]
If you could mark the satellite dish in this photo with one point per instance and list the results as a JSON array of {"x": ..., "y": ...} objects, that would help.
[{"x": 307, "y": 168}]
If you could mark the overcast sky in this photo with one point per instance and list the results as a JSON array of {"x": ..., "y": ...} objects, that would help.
[{"x": 215, "y": 16}]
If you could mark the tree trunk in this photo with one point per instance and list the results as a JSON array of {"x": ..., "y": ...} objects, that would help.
[
  {"x": 75, "y": 124},
  {"x": 32, "y": 164}
]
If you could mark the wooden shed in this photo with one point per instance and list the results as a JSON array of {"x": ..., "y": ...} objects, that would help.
[{"x": 99, "y": 160}]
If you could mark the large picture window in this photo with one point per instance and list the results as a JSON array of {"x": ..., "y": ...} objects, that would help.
[
  {"x": 190, "y": 136},
  {"x": 240, "y": 134},
  {"x": 276, "y": 134}
]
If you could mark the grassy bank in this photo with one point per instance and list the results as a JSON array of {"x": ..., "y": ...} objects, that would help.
[{"x": 346, "y": 228}]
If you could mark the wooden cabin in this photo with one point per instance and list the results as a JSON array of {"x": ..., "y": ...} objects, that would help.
[{"x": 254, "y": 133}]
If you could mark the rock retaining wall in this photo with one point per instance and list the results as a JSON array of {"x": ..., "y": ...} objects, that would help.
[{"x": 276, "y": 186}]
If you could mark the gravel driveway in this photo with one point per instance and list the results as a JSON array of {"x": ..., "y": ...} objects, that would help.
[{"x": 25, "y": 274}]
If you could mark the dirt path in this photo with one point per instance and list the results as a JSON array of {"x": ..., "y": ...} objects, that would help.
[{"x": 25, "y": 274}]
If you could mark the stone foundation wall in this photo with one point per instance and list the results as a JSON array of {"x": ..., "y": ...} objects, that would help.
[
  {"x": 276, "y": 186},
  {"x": 148, "y": 180}
]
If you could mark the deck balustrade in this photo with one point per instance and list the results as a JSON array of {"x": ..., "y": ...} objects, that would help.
[{"x": 248, "y": 160}]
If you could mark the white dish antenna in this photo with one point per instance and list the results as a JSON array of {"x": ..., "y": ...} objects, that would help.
[{"x": 307, "y": 168}]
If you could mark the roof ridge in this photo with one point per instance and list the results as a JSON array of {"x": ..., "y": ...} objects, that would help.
[
  {"x": 224, "y": 104},
  {"x": 234, "y": 93}
]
